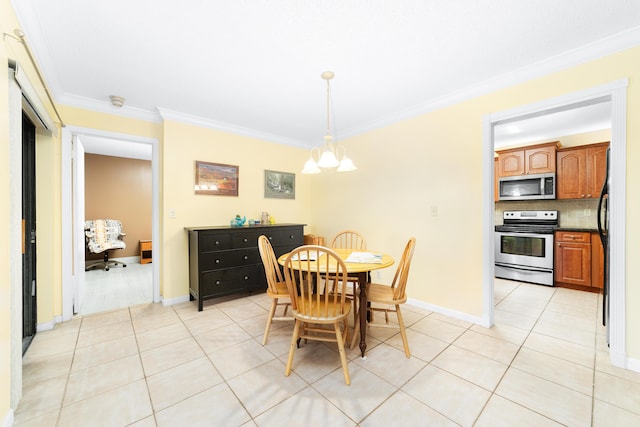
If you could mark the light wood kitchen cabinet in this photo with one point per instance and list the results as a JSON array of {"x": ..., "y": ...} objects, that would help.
[
  {"x": 533, "y": 159},
  {"x": 581, "y": 171},
  {"x": 579, "y": 259}
]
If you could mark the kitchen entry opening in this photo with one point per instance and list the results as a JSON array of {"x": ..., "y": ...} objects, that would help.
[{"x": 612, "y": 95}]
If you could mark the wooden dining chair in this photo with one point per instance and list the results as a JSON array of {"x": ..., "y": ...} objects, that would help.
[
  {"x": 388, "y": 298},
  {"x": 350, "y": 239},
  {"x": 318, "y": 302},
  {"x": 276, "y": 285}
]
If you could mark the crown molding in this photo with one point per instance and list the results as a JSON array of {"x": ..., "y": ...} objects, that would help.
[
  {"x": 106, "y": 107},
  {"x": 177, "y": 116},
  {"x": 590, "y": 52}
]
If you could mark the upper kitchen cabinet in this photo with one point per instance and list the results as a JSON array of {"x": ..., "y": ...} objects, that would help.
[
  {"x": 533, "y": 159},
  {"x": 581, "y": 171}
]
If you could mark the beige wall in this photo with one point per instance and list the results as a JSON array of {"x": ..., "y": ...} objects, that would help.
[
  {"x": 184, "y": 144},
  {"x": 119, "y": 188}
]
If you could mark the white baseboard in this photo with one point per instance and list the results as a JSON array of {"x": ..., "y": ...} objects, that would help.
[
  {"x": 47, "y": 326},
  {"x": 633, "y": 364},
  {"x": 447, "y": 312},
  {"x": 8, "y": 419},
  {"x": 173, "y": 301}
]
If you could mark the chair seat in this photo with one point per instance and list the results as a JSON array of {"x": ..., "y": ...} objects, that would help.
[
  {"x": 314, "y": 313},
  {"x": 282, "y": 291},
  {"x": 383, "y": 294}
]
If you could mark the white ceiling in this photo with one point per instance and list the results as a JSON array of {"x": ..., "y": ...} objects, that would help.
[{"x": 253, "y": 66}]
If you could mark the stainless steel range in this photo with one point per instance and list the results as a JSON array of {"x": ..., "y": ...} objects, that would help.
[{"x": 524, "y": 246}]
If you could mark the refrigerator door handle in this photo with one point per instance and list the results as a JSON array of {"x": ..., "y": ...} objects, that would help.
[
  {"x": 603, "y": 224},
  {"x": 603, "y": 231}
]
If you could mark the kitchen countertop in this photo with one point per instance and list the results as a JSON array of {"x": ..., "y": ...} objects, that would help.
[{"x": 578, "y": 229}]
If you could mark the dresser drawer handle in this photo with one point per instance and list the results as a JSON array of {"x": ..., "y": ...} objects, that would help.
[
  {"x": 217, "y": 243},
  {"x": 291, "y": 236},
  {"x": 217, "y": 282},
  {"x": 245, "y": 240},
  {"x": 246, "y": 277},
  {"x": 217, "y": 261},
  {"x": 246, "y": 257}
]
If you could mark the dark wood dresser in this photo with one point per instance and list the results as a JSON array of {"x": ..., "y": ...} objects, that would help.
[{"x": 225, "y": 260}]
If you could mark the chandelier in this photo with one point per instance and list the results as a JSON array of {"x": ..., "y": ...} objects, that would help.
[{"x": 332, "y": 155}]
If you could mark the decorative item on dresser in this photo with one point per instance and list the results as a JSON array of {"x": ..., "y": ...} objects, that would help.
[{"x": 224, "y": 260}]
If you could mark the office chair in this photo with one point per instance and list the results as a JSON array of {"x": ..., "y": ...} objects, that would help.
[{"x": 103, "y": 235}]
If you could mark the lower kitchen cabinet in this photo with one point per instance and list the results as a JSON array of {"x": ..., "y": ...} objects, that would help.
[
  {"x": 225, "y": 260},
  {"x": 578, "y": 259}
]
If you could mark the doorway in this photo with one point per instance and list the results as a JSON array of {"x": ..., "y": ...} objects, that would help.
[
  {"x": 29, "y": 309},
  {"x": 117, "y": 186},
  {"x": 73, "y": 146},
  {"x": 615, "y": 93}
]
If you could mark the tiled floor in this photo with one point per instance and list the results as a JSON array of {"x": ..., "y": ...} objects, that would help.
[
  {"x": 543, "y": 364},
  {"x": 117, "y": 288}
]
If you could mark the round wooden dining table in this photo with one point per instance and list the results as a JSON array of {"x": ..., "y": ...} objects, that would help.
[{"x": 361, "y": 268}]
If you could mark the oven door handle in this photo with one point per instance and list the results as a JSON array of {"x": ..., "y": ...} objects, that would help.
[{"x": 520, "y": 268}]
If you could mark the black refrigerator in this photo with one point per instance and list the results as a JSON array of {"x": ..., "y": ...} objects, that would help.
[{"x": 603, "y": 230}]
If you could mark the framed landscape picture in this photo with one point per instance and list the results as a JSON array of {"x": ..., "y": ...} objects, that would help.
[
  {"x": 216, "y": 179},
  {"x": 279, "y": 185}
]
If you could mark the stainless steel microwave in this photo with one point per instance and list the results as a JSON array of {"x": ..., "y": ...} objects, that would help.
[{"x": 527, "y": 187}]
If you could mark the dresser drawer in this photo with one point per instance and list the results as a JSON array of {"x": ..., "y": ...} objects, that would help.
[
  {"x": 286, "y": 237},
  {"x": 227, "y": 281},
  {"x": 247, "y": 239},
  {"x": 208, "y": 242},
  {"x": 225, "y": 259}
]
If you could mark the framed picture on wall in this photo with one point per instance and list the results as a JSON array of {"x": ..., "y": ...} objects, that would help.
[
  {"x": 216, "y": 179},
  {"x": 279, "y": 185}
]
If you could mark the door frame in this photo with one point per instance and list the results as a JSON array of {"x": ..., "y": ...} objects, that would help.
[
  {"x": 616, "y": 92},
  {"x": 72, "y": 268},
  {"x": 29, "y": 233}
]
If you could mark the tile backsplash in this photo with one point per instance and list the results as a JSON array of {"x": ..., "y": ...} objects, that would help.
[{"x": 579, "y": 213}]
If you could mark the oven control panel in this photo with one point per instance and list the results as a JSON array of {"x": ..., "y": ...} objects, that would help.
[{"x": 526, "y": 216}]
